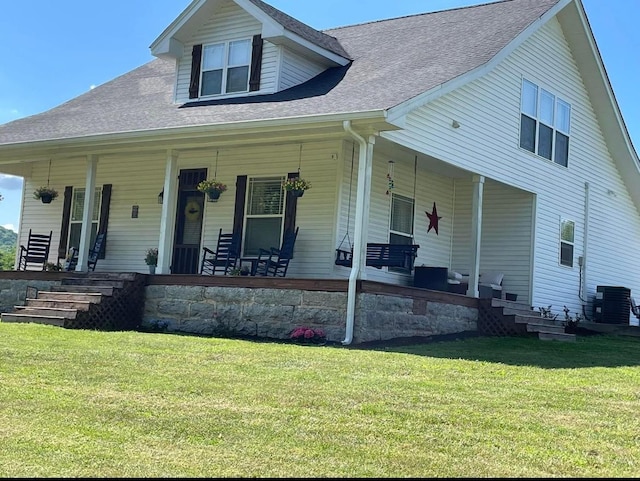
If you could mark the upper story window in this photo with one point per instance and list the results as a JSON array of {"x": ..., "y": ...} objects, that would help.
[
  {"x": 225, "y": 67},
  {"x": 544, "y": 123}
]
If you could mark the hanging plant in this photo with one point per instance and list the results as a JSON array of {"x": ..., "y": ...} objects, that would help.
[
  {"x": 296, "y": 186},
  {"x": 45, "y": 194},
  {"x": 212, "y": 188}
]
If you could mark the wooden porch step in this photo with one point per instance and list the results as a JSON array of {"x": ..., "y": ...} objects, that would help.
[
  {"x": 92, "y": 282},
  {"x": 59, "y": 304},
  {"x": 80, "y": 289},
  {"x": 64, "y": 312},
  {"x": 15, "y": 317},
  {"x": 70, "y": 296}
]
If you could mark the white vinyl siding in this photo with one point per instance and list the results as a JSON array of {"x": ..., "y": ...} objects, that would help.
[
  {"x": 296, "y": 69},
  {"x": 488, "y": 110}
]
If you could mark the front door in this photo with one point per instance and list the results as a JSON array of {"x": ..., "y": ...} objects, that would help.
[{"x": 186, "y": 244}]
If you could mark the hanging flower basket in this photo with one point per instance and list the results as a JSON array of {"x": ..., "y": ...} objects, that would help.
[
  {"x": 212, "y": 188},
  {"x": 45, "y": 194},
  {"x": 296, "y": 186},
  {"x": 213, "y": 195}
]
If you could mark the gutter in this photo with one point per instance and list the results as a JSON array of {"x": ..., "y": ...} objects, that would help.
[{"x": 364, "y": 176}]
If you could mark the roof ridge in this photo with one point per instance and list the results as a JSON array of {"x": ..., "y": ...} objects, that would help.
[{"x": 487, "y": 3}]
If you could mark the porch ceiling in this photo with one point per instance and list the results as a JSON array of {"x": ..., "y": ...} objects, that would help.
[{"x": 403, "y": 153}]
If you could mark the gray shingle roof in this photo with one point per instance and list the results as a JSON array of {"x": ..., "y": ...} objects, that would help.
[
  {"x": 393, "y": 61},
  {"x": 305, "y": 31}
]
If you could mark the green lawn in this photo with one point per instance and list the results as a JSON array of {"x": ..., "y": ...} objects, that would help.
[{"x": 126, "y": 404}]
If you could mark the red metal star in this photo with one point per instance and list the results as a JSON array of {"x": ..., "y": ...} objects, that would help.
[{"x": 433, "y": 219}]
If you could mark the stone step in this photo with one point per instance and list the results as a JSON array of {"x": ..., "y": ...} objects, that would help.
[
  {"x": 59, "y": 304},
  {"x": 78, "y": 289},
  {"x": 531, "y": 327},
  {"x": 47, "y": 311},
  {"x": 554, "y": 336},
  {"x": 70, "y": 296},
  {"x": 510, "y": 304},
  {"x": 519, "y": 319},
  {"x": 90, "y": 282},
  {"x": 15, "y": 317},
  {"x": 520, "y": 311}
]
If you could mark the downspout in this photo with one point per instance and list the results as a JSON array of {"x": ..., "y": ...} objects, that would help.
[{"x": 356, "y": 267}]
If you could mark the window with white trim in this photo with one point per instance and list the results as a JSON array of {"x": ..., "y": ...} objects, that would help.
[
  {"x": 225, "y": 67},
  {"x": 264, "y": 215},
  {"x": 401, "y": 225},
  {"x": 567, "y": 237},
  {"x": 545, "y": 122},
  {"x": 75, "y": 219}
]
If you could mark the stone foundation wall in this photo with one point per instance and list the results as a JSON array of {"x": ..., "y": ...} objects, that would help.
[
  {"x": 274, "y": 313},
  {"x": 14, "y": 291}
]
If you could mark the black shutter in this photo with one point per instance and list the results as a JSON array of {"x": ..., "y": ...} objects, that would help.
[
  {"x": 194, "y": 85},
  {"x": 291, "y": 206},
  {"x": 64, "y": 228},
  {"x": 104, "y": 217},
  {"x": 256, "y": 64},
  {"x": 238, "y": 214}
]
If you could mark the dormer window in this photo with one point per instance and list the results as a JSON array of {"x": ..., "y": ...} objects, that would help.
[{"x": 225, "y": 67}]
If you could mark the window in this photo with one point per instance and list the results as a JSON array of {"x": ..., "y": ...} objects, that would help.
[
  {"x": 401, "y": 227},
  {"x": 544, "y": 123},
  {"x": 567, "y": 233},
  {"x": 225, "y": 67},
  {"x": 75, "y": 220},
  {"x": 264, "y": 214}
]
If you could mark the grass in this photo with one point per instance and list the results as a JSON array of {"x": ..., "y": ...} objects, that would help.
[{"x": 127, "y": 404}]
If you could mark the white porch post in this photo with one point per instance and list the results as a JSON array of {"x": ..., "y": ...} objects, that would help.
[
  {"x": 168, "y": 215},
  {"x": 476, "y": 234},
  {"x": 362, "y": 225},
  {"x": 87, "y": 213}
]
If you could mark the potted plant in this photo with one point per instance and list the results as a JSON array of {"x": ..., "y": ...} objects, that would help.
[
  {"x": 45, "y": 194},
  {"x": 212, "y": 188},
  {"x": 296, "y": 186},
  {"x": 151, "y": 259}
]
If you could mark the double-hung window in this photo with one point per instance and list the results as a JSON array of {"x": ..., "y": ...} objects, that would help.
[
  {"x": 567, "y": 238},
  {"x": 545, "y": 120},
  {"x": 264, "y": 217},
  {"x": 225, "y": 67},
  {"x": 75, "y": 219},
  {"x": 401, "y": 226}
]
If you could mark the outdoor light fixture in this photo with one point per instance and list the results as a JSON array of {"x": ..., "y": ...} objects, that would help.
[{"x": 161, "y": 196}]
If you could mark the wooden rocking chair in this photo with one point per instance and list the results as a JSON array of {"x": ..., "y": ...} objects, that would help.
[
  {"x": 36, "y": 253},
  {"x": 92, "y": 260},
  {"x": 225, "y": 257},
  {"x": 274, "y": 262}
]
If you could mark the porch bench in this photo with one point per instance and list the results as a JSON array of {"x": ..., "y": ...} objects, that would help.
[{"x": 382, "y": 255}]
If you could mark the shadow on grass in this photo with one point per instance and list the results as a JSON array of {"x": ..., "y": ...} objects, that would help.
[{"x": 589, "y": 350}]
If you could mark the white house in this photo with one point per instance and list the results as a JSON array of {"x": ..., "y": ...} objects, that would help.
[{"x": 487, "y": 135}]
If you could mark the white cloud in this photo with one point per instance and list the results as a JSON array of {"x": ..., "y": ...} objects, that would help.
[
  {"x": 11, "y": 227},
  {"x": 10, "y": 182}
]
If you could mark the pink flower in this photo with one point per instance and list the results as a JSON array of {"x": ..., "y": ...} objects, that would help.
[{"x": 309, "y": 334}]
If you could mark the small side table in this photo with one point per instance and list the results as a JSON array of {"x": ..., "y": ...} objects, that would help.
[{"x": 254, "y": 264}]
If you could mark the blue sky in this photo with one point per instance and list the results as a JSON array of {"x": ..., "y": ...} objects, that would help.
[{"x": 54, "y": 51}]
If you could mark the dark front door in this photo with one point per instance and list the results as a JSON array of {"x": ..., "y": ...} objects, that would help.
[{"x": 186, "y": 244}]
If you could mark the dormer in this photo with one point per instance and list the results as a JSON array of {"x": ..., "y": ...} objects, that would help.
[{"x": 236, "y": 48}]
